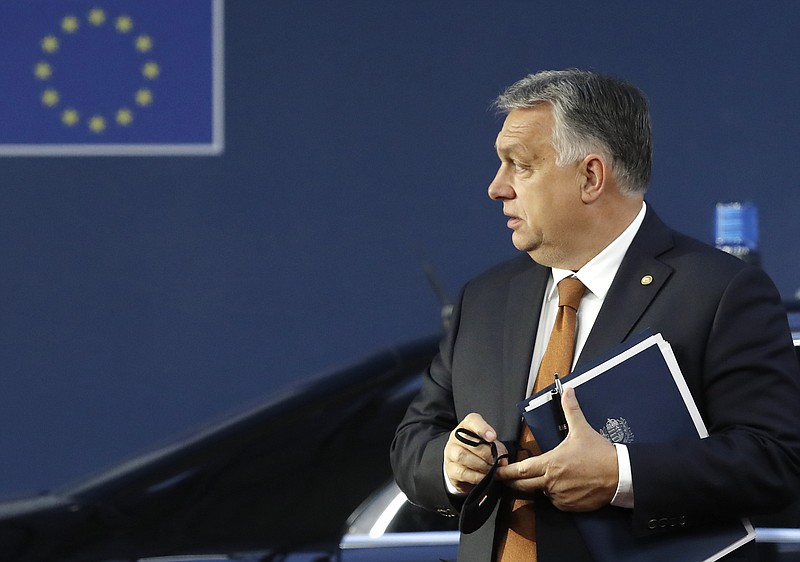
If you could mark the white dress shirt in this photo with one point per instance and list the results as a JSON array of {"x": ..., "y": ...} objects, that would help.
[{"x": 597, "y": 275}]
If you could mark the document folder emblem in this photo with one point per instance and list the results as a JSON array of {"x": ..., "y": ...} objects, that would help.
[{"x": 617, "y": 430}]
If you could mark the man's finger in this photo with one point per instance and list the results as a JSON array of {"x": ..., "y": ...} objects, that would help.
[
  {"x": 475, "y": 423},
  {"x": 524, "y": 476},
  {"x": 527, "y": 486},
  {"x": 572, "y": 410},
  {"x": 533, "y": 467},
  {"x": 469, "y": 457}
]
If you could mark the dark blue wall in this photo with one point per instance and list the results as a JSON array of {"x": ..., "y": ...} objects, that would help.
[{"x": 140, "y": 297}]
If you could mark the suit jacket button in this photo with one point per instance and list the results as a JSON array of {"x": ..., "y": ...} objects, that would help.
[
  {"x": 652, "y": 524},
  {"x": 663, "y": 522}
]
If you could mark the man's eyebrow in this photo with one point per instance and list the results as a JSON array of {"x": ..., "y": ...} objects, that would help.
[{"x": 512, "y": 147}]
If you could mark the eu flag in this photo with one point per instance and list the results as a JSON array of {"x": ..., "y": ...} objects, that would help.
[{"x": 114, "y": 77}]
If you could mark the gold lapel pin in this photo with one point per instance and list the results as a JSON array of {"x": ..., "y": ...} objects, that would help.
[{"x": 647, "y": 279}]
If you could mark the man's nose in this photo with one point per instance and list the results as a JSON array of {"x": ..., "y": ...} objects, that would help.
[{"x": 500, "y": 188}]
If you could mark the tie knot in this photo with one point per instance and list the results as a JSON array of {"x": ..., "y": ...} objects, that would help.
[{"x": 570, "y": 292}]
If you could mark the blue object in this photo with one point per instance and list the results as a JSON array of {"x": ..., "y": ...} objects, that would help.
[
  {"x": 736, "y": 224},
  {"x": 128, "y": 77}
]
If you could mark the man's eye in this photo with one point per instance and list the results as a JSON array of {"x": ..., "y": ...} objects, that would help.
[{"x": 519, "y": 168}]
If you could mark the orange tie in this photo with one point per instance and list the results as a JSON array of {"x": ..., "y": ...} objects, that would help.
[{"x": 515, "y": 535}]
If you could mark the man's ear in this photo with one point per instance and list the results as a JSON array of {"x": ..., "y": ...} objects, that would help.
[{"x": 594, "y": 179}]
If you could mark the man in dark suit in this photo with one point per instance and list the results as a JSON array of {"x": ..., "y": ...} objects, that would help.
[{"x": 575, "y": 157}]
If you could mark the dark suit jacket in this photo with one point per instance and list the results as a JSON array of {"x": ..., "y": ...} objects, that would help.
[{"x": 728, "y": 328}]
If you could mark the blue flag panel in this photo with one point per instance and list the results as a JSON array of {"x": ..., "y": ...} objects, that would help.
[{"x": 115, "y": 77}]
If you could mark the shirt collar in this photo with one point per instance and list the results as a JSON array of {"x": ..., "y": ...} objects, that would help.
[{"x": 599, "y": 272}]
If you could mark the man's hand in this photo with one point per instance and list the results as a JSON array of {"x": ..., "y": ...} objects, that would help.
[
  {"x": 580, "y": 474},
  {"x": 464, "y": 465}
]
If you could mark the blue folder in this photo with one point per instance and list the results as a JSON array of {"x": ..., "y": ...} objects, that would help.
[{"x": 636, "y": 394}]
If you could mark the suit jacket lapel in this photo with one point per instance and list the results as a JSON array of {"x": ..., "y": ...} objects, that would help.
[
  {"x": 523, "y": 309},
  {"x": 639, "y": 279},
  {"x": 625, "y": 303}
]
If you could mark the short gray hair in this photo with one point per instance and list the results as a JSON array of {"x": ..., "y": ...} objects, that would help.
[{"x": 592, "y": 113}]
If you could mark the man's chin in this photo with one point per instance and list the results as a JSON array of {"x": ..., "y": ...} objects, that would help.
[
  {"x": 535, "y": 251},
  {"x": 523, "y": 244}
]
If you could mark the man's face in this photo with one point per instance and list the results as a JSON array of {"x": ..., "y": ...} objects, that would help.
[{"x": 542, "y": 200}]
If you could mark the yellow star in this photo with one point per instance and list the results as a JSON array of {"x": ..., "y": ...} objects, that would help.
[
  {"x": 144, "y": 43},
  {"x": 143, "y": 97},
  {"x": 124, "y": 24},
  {"x": 151, "y": 70},
  {"x": 97, "y": 17},
  {"x": 43, "y": 70},
  {"x": 70, "y": 117},
  {"x": 124, "y": 116},
  {"x": 97, "y": 124},
  {"x": 70, "y": 24},
  {"x": 50, "y": 97},
  {"x": 50, "y": 44}
]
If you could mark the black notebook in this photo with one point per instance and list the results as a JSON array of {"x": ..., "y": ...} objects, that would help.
[{"x": 627, "y": 407}]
